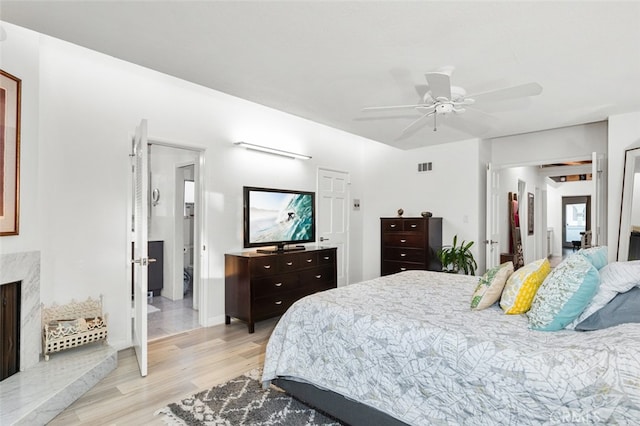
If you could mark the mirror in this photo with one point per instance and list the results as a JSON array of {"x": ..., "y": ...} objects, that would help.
[{"x": 629, "y": 235}]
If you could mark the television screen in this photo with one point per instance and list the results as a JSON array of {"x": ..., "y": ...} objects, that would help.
[{"x": 278, "y": 217}]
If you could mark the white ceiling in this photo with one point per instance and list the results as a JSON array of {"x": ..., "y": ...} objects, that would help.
[{"x": 326, "y": 60}]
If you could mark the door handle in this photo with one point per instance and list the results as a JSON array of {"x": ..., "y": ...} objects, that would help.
[{"x": 324, "y": 239}]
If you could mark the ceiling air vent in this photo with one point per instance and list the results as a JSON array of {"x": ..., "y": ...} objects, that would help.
[{"x": 425, "y": 167}]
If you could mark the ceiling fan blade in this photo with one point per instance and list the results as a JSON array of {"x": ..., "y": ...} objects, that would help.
[
  {"x": 392, "y": 107},
  {"x": 414, "y": 126},
  {"x": 522, "y": 90},
  {"x": 421, "y": 90},
  {"x": 439, "y": 84}
]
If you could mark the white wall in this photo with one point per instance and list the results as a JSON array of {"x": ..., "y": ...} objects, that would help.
[
  {"x": 449, "y": 191},
  {"x": 624, "y": 133},
  {"x": 549, "y": 146},
  {"x": 81, "y": 108},
  {"x": 19, "y": 57}
]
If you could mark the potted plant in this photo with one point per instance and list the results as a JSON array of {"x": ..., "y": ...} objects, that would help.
[{"x": 456, "y": 258}]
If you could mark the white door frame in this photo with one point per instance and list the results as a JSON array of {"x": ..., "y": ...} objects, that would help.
[
  {"x": 602, "y": 182},
  {"x": 493, "y": 216}
]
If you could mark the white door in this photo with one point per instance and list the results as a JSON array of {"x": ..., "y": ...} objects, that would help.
[
  {"x": 599, "y": 209},
  {"x": 493, "y": 213},
  {"x": 140, "y": 255},
  {"x": 333, "y": 216}
]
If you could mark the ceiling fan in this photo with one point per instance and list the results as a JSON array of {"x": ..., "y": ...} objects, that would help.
[{"x": 440, "y": 98}]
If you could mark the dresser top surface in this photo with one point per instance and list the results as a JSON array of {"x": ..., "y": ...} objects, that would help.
[
  {"x": 256, "y": 254},
  {"x": 408, "y": 218}
]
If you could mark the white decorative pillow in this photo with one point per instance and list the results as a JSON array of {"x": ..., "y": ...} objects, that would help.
[
  {"x": 490, "y": 286},
  {"x": 616, "y": 277},
  {"x": 564, "y": 294}
]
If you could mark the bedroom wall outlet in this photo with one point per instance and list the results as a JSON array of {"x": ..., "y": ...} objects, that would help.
[{"x": 356, "y": 204}]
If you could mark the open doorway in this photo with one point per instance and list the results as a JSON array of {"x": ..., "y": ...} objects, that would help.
[
  {"x": 576, "y": 220},
  {"x": 174, "y": 304}
]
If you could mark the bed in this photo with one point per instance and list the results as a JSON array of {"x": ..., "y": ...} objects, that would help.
[{"x": 407, "y": 349}]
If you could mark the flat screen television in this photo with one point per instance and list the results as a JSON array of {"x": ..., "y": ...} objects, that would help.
[{"x": 278, "y": 217}]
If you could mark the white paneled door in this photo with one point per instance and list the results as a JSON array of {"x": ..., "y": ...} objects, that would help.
[
  {"x": 333, "y": 216},
  {"x": 140, "y": 237},
  {"x": 493, "y": 213}
]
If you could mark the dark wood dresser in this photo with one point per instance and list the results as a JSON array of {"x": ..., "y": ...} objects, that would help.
[
  {"x": 260, "y": 286},
  {"x": 410, "y": 243}
]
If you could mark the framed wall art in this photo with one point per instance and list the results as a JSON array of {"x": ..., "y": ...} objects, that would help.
[{"x": 9, "y": 153}]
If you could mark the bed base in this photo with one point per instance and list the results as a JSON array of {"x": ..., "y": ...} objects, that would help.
[{"x": 336, "y": 405}]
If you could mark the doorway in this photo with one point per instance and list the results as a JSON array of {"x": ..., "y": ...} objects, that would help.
[
  {"x": 174, "y": 222},
  {"x": 576, "y": 220},
  {"x": 333, "y": 217}
]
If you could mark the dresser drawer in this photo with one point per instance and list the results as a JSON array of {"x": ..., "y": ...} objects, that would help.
[
  {"x": 403, "y": 239},
  {"x": 272, "y": 305},
  {"x": 414, "y": 225},
  {"x": 403, "y": 254},
  {"x": 274, "y": 285},
  {"x": 288, "y": 262},
  {"x": 392, "y": 267},
  {"x": 327, "y": 257},
  {"x": 317, "y": 277},
  {"x": 307, "y": 260},
  {"x": 390, "y": 225},
  {"x": 261, "y": 266}
]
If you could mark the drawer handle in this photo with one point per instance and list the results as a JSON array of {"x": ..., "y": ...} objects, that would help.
[
  {"x": 309, "y": 260},
  {"x": 403, "y": 241},
  {"x": 403, "y": 269},
  {"x": 278, "y": 284},
  {"x": 267, "y": 266},
  {"x": 327, "y": 258},
  {"x": 393, "y": 225},
  {"x": 318, "y": 276},
  {"x": 289, "y": 263},
  {"x": 413, "y": 225},
  {"x": 403, "y": 254},
  {"x": 279, "y": 302}
]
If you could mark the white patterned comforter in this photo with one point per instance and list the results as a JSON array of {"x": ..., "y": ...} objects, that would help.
[{"x": 409, "y": 345}]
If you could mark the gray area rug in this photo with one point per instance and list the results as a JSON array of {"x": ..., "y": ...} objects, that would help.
[{"x": 242, "y": 401}]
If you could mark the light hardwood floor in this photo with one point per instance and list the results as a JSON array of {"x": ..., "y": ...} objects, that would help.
[{"x": 178, "y": 366}]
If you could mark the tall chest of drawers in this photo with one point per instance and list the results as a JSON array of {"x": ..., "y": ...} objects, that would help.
[
  {"x": 410, "y": 243},
  {"x": 260, "y": 286}
]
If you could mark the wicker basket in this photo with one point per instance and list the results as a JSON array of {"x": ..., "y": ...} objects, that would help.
[{"x": 73, "y": 324}]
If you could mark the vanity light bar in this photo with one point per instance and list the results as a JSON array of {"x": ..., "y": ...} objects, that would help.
[{"x": 274, "y": 151}]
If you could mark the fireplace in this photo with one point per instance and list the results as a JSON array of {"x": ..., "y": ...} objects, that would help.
[
  {"x": 9, "y": 329},
  {"x": 24, "y": 268}
]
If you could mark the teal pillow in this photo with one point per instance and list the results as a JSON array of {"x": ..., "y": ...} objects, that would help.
[
  {"x": 596, "y": 255},
  {"x": 564, "y": 294}
]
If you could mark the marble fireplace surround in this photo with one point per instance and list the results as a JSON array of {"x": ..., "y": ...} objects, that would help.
[{"x": 25, "y": 267}]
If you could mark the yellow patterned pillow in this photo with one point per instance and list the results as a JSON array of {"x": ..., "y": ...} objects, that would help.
[{"x": 522, "y": 286}]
